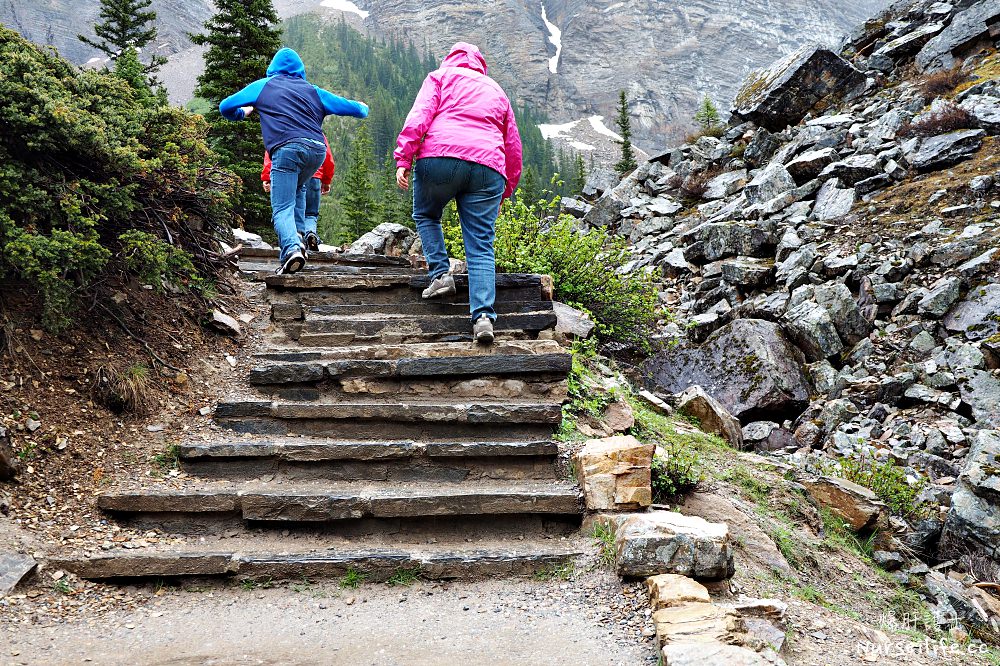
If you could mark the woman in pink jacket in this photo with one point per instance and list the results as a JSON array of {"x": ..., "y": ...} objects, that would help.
[{"x": 462, "y": 134}]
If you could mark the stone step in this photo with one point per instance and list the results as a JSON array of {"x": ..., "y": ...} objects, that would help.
[
  {"x": 408, "y": 351},
  {"x": 259, "y": 269},
  {"x": 517, "y": 419},
  {"x": 326, "y": 502},
  {"x": 339, "y": 258},
  {"x": 298, "y": 312},
  {"x": 338, "y": 289},
  {"x": 391, "y": 461},
  {"x": 289, "y": 372},
  {"x": 248, "y": 559}
]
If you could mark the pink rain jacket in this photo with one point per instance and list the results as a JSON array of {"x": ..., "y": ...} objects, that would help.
[{"x": 461, "y": 112}]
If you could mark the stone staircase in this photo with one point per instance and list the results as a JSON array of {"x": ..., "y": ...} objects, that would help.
[{"x": 374, "y": 436}]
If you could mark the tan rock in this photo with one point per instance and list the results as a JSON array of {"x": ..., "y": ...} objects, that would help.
[
  {"x": 857, "y": 506},
  {"x": 710, "y": 654},
  {"x": 614, "y": 473},
  {"x": 667, "y": 590},
  {"x": 697, "y": 623},
  {"x": 656, "y": 542},
  {"x": 619, "y": 417},
  {"x": 714, "y": 418}
]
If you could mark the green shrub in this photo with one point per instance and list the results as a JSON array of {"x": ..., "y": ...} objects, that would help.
[
  {"x": 155, "y": 262},
  {"x": 86, "y": 159},
  {"x": 676, "y": 472},
  {"x": 885, "y": 479},
  {"x": 586, "y": 268}
]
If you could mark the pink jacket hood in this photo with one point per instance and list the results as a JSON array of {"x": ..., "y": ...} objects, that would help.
[
  {"x": 466, "y": 55},
  {"x": 461, "y": 112}
]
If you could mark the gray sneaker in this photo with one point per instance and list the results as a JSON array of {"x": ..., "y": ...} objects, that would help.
[
  {"x": 440, "y": 287},
  {"x": 293, "y": 263},
  {"x": 482, "y": 331}
]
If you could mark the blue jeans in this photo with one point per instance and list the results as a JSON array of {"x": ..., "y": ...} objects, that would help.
[
  {"x": 313, "y": 191},
  {"x": 477, "y": 190},
  {"x": 292, "y": 167}
]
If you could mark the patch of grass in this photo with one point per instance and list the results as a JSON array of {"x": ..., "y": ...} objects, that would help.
[
  {"x": 943, "y": 82},
  {"x": 129, "y": 390},
  {"x": 949, "y": 119},
  {"x": 783, "y": 536},
  {"x": 563, "y": 571},
  {"x": 810, "y": 594},
  {"x": 605, "y": 538},
  {"x": 839, "y": 536},
  {"x": 907, "y": 609},
  {"x": 755, "y": 489},
  {"x": 403, "y": 577},
  {"x": 250, "y": 584},
  {"x": 352, "y": 579},
  {"x": 167, "y": 459},
  {"x": 63, "y": 586}
]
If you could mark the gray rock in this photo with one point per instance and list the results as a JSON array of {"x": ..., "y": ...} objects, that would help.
[
  {"x": 771, "y": 181},
  {"x": 657, "y": 542},
  {"x": 843, "y": 308},
  {"x": 387, "y": 238},
  {"x": 726, "y": 184},
  {"x": 747, "y": 272},
  {"x": 13, "y": 568},
  {"x": 940, "y": 298},
  {"x": 940, "y": 151},
  {"x": 761, "y": 147},
  {"x": 600, "y": 181},
  {"x": 809, "y": 325},
  {"x": 247, "y": 239},
  {"x": 901, "y": 48},
  {"x": 9, "y": 464},
  {"x": 853, "y": 169},
  {"x": 973, "y": 521},
  {"x": 748, "y": 366},
  {"x": 809, "y": 165},
  {"x": 571, "y": 321},
  {"x": 225, "y": 324},
  {"x": 978, "y": 316},
  {"x": 833, "y": 202},
  {"x": 986, "y": 110},
  {"x": 887, "y": 560},
  {"x": 980, "y": 390},
  {"x": 575, "y": 207},
  {"x": 785, "y": 92},
  {"x": 767, "y": 436},
  {"x": 980, "y": 185},
  {"x": 713, "y": 417},
  {"x": 964, "y": 31},
  {"x": 715, "y": 240}
]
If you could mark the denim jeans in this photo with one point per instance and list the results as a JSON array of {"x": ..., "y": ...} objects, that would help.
[
  {"x": 477, "y": 190},
  {"x": 292, "y": 167},
  {"x": 313, "y": 191}
]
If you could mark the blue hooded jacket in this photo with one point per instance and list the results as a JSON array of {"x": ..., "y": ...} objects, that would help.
[{"x": 290, "y": 107}]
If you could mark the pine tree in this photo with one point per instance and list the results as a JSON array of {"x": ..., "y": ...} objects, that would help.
[
  {"x": 125, "y": 24},
  {"x": 529, "y": 191},
  {"x": 627, "y": 162},
  {"x": 242, "y": 37},
  {"x": 390, "y": 204},
  {"x": 579, "y": 179},
  {"x": 707, "y": 115},
  {"x": 360, "y": 208},
  {"x": 129, "y": 69}
]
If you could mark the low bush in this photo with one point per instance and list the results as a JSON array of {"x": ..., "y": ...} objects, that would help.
[
  {"x": 587, "y": 269},
  {"x": 948, "y": 119},
  {"x": 943, "y": 82},
  {"x": 885, "y": 479},
  {"x": 675, "y": 472},
  {"x": 99, "y": 180}
]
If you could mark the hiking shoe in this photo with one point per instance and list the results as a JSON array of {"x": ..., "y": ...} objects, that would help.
[
  {"x": 312, "y": 241},
  {"x": 440, "y": 287},
  {"x": 293, "y": 263},
  {"x": 482, "y": 331}
]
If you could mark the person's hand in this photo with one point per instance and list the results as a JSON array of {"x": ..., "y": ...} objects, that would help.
[
  {"x": 324, "y": 188},
  {"x": 247, "y": 110},
  {"x": 403, "y": 178},
  {"x": 267, "y": 186}
]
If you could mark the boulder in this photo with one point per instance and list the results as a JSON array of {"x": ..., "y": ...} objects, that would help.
[
  {"x": 784, "y": 93},
  {"x": 715, "y": 240},
  {"x": 13, "y": 568},
  {"x": 9, "y": 465},
  {"x": 571, "y": 321},
  {"x": 810, "y": 327},
  {"x": 649, "y": 544},
  {"x": 973, "y": 522},
  {"x": 808, "y": 165},
  {"x": 748, "y": 366},
  {"x": 618, "y": 417},
  {"x": 944, "y": 150},
  {"x": 725, "y": 185},
  {"x": 713, "y": 417},
  {"x": 852, "y": 170},
  {"x": 225, "y": 324},
  {"x": 978, "y": 316},
  {"x": 575, "y": 207},
  {"x": 247, "y": 239},
  {"x": 837, "y": 300},
  {"x": 771, "y": 181},
  {"x": 710, "y": 654},
  {"x": 761, "y": 147},
  {"x": 607, "y": 210},
  {"x": 697, "y": 624},
  {"x": 966, "y": 29},
  {"x": 980, "y": 390},
  {"x": 614, "y": 473},
  {"x": 668, "y": 590},
  {"x": 901, "y": 48},
  {"x": 767, "y": 436},
  {"x": 940, "y": 298},
  {"x": 747, "y": 272},
  {"x": 387, "y": 238},
  {"x": 986, "y": 111},
  {"x": 857, "y": 506},
  {"x": 833, "y": 201},
  {"x": 600, "y": 181}
]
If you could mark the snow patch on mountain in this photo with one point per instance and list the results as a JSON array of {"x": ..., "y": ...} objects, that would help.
[
  {"x": 345, "y": 6},
  {"x": 597, "y": 122},
  {"x": 555, "y": 37},
  {"x": 557, "y": 131}
]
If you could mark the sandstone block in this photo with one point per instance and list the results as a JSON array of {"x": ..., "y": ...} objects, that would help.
[
  {"x": 659, "y": 542},
  {"x": 668, "y": 590},
  {"x": 615, "y": 473}
]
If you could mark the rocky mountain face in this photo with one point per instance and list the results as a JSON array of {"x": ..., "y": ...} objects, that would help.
[
  {"x": 665, "y": 55},
  {"x": 831, "y": 263}
]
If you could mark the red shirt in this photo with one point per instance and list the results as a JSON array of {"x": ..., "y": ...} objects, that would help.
[{"x": 324, "y": 173}]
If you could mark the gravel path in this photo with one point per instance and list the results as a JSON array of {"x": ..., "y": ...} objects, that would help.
[{"x": 512, "y": 622}]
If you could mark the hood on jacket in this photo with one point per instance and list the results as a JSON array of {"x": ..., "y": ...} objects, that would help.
[
  {"x": 465, "y": 55},
  {"x": 287, "y": 62}
]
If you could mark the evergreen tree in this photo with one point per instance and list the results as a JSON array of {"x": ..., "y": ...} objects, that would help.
[
  {"x": 242, "y": 37},
  {"x": 529, "y": 190},
  {"x": 129, "y": 69},
  {"x": 579, "y": 179},
  {"x": 627, "y": 162},
  {"x": 125, "y": 24},
  {"x": 707, "y": 115},
  {"x": 391, "y": 202},
  {"x": 361, "y": 211}
]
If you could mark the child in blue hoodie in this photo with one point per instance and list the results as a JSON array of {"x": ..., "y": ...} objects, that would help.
[{"x": 291, "y": 119}]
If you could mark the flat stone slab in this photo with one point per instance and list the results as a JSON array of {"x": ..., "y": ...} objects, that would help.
[
  {"x": 331, "y": 502},
  {"x": 377, "y": 564},
  {"x": 391, "y": 351},
  {"x": 330, "y": 257},
  {"x": 437, "y": 412},
  {"x": 423, "y": 325},
  {"x": 13, "y": 568},
  {"x": 347, "y": 281},
  {"x": 319, "y": 451},
  {"x": 648, "y": 544}
]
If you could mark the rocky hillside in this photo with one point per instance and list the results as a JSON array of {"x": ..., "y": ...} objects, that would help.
[
  {"x": 570, "y": 57},
  {"x": 831, "y": 265}
]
